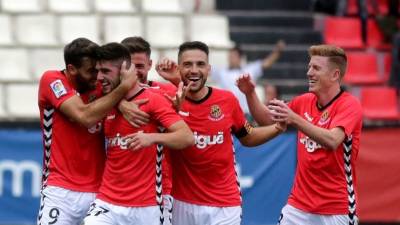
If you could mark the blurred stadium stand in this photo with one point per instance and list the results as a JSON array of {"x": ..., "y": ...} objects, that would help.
[{"x": 33, "y": 33}]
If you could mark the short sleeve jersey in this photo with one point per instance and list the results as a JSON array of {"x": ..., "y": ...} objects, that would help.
[
  {"x": 130, "y": 176},
  {"x": 73, "y": 155},
  {"x": 325, "y": 179},
  {"x": 162, "y": 88},
  {"x": 204, "y": 174},
  {"x": 169, "y": 89}
]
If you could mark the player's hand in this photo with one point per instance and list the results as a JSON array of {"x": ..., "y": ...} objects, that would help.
[
  {"x": 132, "y": 112},
  {"x": 168, "y": 70},
  {"x": 138, "y": 140},
  {"x": 279, "y": 111},
  {"x": 245, "y": 84},
  {"x": 128, "y": 75},
  {"x": 180, "y": 95}
]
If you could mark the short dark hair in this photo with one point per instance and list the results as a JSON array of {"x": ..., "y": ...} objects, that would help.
[
  {"x": 137, "y": 45},
  {"x": 237, "y": 49},
  {"x": 113, "y": 51},
  {"x": 192, "y": 45},
  {"x": 77, "y": 50}
]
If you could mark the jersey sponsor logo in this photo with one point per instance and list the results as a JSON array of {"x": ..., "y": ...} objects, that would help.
[
  {"x": 310, "y": 144},
  {"x": 58, "y": 88},
  {"x": 186, "y": 114},
  {"x": 215, "y": 113},
  {"x": 308, "y": 117},
  {"x": 117, "y": 141},
  {"x": 324, "y": 118},
  {"x": 202, "y": 141}
]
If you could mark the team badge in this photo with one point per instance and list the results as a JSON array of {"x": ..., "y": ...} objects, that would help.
[
  {"x": 58, "y": 88},
  {"x": 324, "y": 118},
  {"x": 215, "y": 113}
]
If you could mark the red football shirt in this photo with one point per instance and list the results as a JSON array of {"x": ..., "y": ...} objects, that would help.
[
  {"x": 205, "y": 174},
  {"x": 169, "y": 89},
  {"x": 130, "y": 176},
  {"x": 73, "y": 155},
  {"x": 320, "y": 184}
]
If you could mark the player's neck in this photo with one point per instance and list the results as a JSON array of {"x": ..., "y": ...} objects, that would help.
[
  {"x": 328, "y": 95},
  {"x": 196, "y": 96},
  {"x": 70, "y": 78},
  {"x": 134, "y": 90}
]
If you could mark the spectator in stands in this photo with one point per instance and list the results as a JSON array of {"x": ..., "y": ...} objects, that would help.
[
  {"x": 205, "y": 185},
  {"x": 226, "y": 77},
  {"x": 130, "y": 191},
  {"x": 270, "y": 92},
  {"x": 71, "y": 111},
  {"x": 329, "y": 123}
]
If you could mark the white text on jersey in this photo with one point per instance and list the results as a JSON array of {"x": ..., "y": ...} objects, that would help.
[{"x": 201, "y": 141}]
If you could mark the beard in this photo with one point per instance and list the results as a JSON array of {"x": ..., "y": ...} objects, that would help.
[{"x": 83, "y": 85}]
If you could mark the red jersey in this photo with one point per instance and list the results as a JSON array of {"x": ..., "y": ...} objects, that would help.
[
  {"x": 169, "y": 89},
  {"x": 73, "y": 155},
  {"x": 162, "y": 88},
  {"x": 325, "y": 179},
  {"x": 204, "y": 174},
  {"x": 131, "y": 178}
]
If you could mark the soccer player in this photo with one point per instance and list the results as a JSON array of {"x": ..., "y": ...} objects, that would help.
[
  {"x": 140, "y": 52},
  {"x": 329, "y": 123},
  {"x": 130, "y": 192},
  {"x": 205, "y": 185},
  {"x": 72, "y": 135}
]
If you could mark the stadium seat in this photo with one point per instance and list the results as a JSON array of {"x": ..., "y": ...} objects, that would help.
[
  {"x": 362, "y": 69},
  {"x": 165, "y": 31},
  {"x": 219, "y": 58},
  {"x": 375, "y": 37},
  {"x": 5, "y": 30},
  {"x": 69, "y": 6},
  {"x": 114, "y": 6},
  {"x": 161, "y": 6},
  {"x": 116, "y": 28},
  {"x": 387, "y": 66},
  {"x": 38, "y": 29},
  {"x": 22, "y": 100},
  {"x": 380, "y": 103},
  {"x": 73, "y": 27},
  {"x": 344, "y": 32},
  {"x": 2, "y": 100},
  {"x": 155, "y": 57},
  {"x": 21, "y": 6},
  {"x": 382, "y": 7},
  {"x": 14, "y": 65},
  {"x": 210, "y": 29},
  {"x": 171, "y": 54},
  {"x": 46, "y": 59}
]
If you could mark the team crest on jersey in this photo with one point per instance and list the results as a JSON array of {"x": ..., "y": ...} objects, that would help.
[
  {"x": 215, "y": 113},
  {"x": 324, "y": 118},
  {"x": 58, "y": 88}
]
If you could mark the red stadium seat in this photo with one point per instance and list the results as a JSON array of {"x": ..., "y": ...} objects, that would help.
[
  {"x": 380, "y": 103},
  {"x": 344, "y": 32},
  {"x": 387, "y": 66},
  {"x": 383, "y": 7},
  {"x": 375, "y": 37},
  {"x": 362, "y": 69}
]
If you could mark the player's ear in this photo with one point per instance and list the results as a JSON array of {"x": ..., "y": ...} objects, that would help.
[{"x": 71, "y": 69}]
